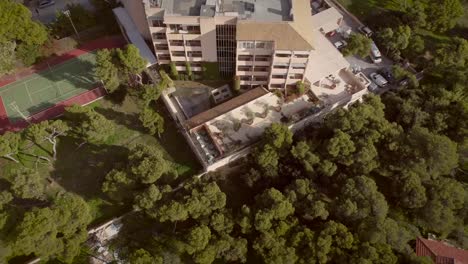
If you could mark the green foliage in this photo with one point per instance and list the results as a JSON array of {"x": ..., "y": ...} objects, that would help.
[
  {"x": 188, "y": 68},
  {"x": 142, "y": 256},
  {"x": 118, "y": 66},
  {"x": 148, "y": 164},
  {"x": 89, "y": 125},
  {"x": 7, "y": 57},
  {"x": 443, "y": 15},
  {"x": 272, "y": 205},
  {"x": 415, "y": 15},
  {"x": 300, "y": 86},
  {"x": 278, "y": 135},
  {"x": 53, "y": 232},
  {"x": 27, "y": 184},
  {"x": 9, "y": 145},
  {"x": 395, "y": 40},
  {"x": 236, "y": 84},
  {"x": 118, "y": 185},
  {"x": 358, "y": 44},
  {"x": 152, "y": 121},
  {"x": 82, "y": 19},
  {"x": 174, "y": 72},
  {"x": 16, "y": 25},
  {"x": 210, "y": 70},
  {"x": 28, "y": 54}
]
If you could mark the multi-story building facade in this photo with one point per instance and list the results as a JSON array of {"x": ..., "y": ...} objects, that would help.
[{"x": 266, "y": 43}]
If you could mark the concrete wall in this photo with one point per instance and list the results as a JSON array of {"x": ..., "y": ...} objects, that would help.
[{"x": 208, "y": 39}]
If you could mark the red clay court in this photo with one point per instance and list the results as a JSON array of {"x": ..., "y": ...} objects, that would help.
[{"x": 44, "y": 90}]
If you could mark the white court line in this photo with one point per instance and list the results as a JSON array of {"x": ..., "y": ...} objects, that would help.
[{"x": 27, "y": 91}]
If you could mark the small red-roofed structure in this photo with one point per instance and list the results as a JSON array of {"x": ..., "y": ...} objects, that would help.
[{"x": 440, "y": 252}]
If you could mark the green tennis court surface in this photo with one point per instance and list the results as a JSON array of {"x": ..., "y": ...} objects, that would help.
[{"x": 45, "y": 89}]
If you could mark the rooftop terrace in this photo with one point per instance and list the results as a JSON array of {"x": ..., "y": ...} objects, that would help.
[{"x": 262, "y": 10}]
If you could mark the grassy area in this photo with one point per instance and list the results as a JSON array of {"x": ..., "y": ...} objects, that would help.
[{"x": 81, "y": 168}]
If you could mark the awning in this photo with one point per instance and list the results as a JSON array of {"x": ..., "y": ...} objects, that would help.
[{"x": 133, "y": 36}]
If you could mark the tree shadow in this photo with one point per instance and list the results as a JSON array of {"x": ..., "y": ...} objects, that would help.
[
  {"x": 118, "y": 96},
  {"x": 79, "y": 73},
  {"x": 82, "y": 169},
  {"x": 131, "y": 121}
]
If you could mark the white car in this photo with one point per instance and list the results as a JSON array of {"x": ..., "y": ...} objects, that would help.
[
  {"x": 340, "y": 44},
  {"x": 366, "y": 31},
  {"x": 378, "y": 79}
]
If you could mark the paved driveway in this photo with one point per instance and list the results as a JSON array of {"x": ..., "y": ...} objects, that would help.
[
  {"x": 47, "y": 15},
  {"x": 365, "y": 65}
]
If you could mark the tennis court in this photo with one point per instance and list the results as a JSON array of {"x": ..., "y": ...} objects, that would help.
[{"x": 45, "y": 89}]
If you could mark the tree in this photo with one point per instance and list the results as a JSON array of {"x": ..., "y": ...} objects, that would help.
[
  {"x": 82, "y": 19},
  {"x": 151, "y": 93},
  {"x": 116, "y": 66},
  {"x": 53, "y": 232},
  {"x": 27, "y": 184},
  {"x": 332, "y": 240},
  {"x": 197, "y": 239},
  {"x": 443, "y": 15},
  {"x": 174, "y": 72},
  {"x": 409, "y": 190},
  {"x": 148, "y": 164},
  {"x": 131, "y": 60},
  {"x": 118, "y": 185},
  {"x": 279, "y": 136},
  {"x": 7, "y": 57},
  {"x": 302, "y": 152},
  {"x": 148, "y": 198},
  {"x": 141, "y": 256},
  {"x": 106, "y": 70},
  {"x": 236, "y": 84},
  {"x": 341, "y": 147},
  {"x": 152, "y": 121},
  {"x": 360, "y": 198},
  {"x": 9, "y": 145},
  {"x": 302, "y": 193},
  {"x": 47, "y": 131},
  {"x": 16, "y": 25},
  {"x": 358, "y": 44},
  {"x": 267, "y": 159},
  {"x": 272, "y": 205},
  {"x": 416, "y": 45},
  {"x": 395, "y": 40},
  {"x": 415, "y": 15},
  {"x": 28, "y": 53},
  {"x": 88, "y": 124}
]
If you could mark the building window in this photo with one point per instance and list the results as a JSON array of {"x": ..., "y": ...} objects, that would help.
[
  {"x": 262, "y": 58},
  {"x": 300, "y": 66},
  {"x": 280, "y": 66},
  {"x": 245, "y": 58},
  {"x": 264, "y": 45},
  {"x": 184, "y": 29},
  {"x": 261, "y": 69},
  {"x": 164, "y": 57},
  {"x": 158, "y": 23},
  {"x": 159, "y": 35},
  {"x": 281, "y": 55},
  {"x": 161, "y": 47},
  {"x": 180, "y": 63},
  {"x": 296, "y": 76},
  {"x": 178, "y": 54},
  {"x": 261, "y": 78},
  {"x": 193, "y": 43},
  {"x": 176, "y": 43},
  {"x": 301, "y": 56},
  {"x": 245, "y": 78},
  {"x": 246, "y": 45},
  {"x": 245, "y": 68},
  {"x": 277, "y": 85},
  {"x": 278, "y": 76},
  {"x": 194, "y": 54}
]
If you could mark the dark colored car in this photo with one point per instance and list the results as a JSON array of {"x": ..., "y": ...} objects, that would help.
[
  {"x": 366, "y": 31},
  {"x": 387, "y": 73}
]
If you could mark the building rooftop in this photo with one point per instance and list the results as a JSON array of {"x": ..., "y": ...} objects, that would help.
[
  {"x": 441, "y": 252},
  {"x": 261, "y": 10}
]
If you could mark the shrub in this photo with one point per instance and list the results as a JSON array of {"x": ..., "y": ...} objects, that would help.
[
  {"x": 28, "y": 53},
  {"x": 300, "y": 87},
  {"x": 174, "y": 72},
  {"x": 82, "y": 19},
  {"x": 236, "y": 85}
]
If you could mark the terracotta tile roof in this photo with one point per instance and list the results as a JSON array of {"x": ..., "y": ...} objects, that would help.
[
  {"x": 441, "y": 252},
  {"x": 225, "y": 107}
]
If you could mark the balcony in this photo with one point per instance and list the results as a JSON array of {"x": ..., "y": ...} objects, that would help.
[
  {"x": 193, "y": 48},
  {"x": 299, "y": 60},
  {"x": 176, "y": 48},
  {"x": 261, "y": 73},
  {"x": 261, "y": 63},
  {"x": 279, "y": 71},
  {"x": 282, "y": 60},
  {"x": 178, "y": 58}
]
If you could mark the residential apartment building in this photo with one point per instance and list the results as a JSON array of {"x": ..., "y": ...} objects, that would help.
[{"x": 266, "y": 43}]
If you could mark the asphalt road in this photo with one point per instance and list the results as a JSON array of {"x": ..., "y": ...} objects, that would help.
[{"x": 47, "y": 15}]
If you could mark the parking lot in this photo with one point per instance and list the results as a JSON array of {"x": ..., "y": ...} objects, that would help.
[
  {"x": 364, "y": 65},
  {"x": 47, "y": 14}
]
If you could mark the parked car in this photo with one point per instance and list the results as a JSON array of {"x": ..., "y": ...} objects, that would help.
[
  {"x": 366, "y": 31},
  {"x": 340, "y": 44},
  {"x": 378, "y": 79},
  {"x": 387, "y": 73},
  {"x": 46, "y": 3},
  {"x": 375, "y": 54},
  {"x": 373, "y": 87}
]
